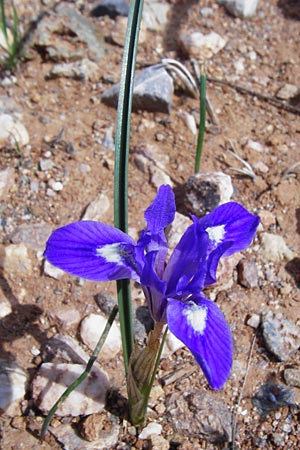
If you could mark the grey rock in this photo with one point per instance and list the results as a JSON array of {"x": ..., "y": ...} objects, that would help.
[
  {"x": 272, "y": 396},
  {"x": 64, "y": 348},
  {"x": 206, "y": 191},
  {"x": 254, "y": 321},
  {"x": 33, "y": 236},
  {"x": 84, "y": 70},
  {"x": 247, "y": 273},
  {"x": 66, "y": 22},
  {"x": 240, "y": 8},
  {"x": 52, "y": 379},
  {"x": 111, "y": 8},
  {"x": 46, "y": 164},
  {"x": 282, "y": 337},
  {"x": 153, "y": 90},
  {"x": 200, "y": 414},
  {"x": 12, "y": 131},
  {"x": 155, "y": 15},
  {"x": 97, "y": 208},
  {"x": 65, "y": 318},
  {"x": 106, "y": 302},
  {"x": 13, "y": 381},
  {"x": 292, "y": 377}
]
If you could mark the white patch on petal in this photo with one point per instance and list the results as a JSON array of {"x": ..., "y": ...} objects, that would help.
[
  {"x": 110, "y": 252},
  {"x": 216, "y": 234},
  {"x": 196, "y": 317}
]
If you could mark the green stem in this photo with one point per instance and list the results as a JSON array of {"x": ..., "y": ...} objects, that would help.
[
  {"x": 202, "y": 89},
  {"x": 83, "y": 376},
  {"x": 121, "y": 163}
]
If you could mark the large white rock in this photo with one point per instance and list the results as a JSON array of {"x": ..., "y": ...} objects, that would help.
[
  {"x": 53, "y": 379},
  {"x": 90, "y": 331},
  {"x": 274, "y": 248}
]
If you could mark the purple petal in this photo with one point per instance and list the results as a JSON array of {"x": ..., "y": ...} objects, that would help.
[
  {"x": 94, "y": 251},
  {"x": 161, "y": 212},
  {"x": 232, "y": 223},
  {"x": 201, "y": 326},
  {"x": 154, "y": 289},
  {"x": 186, "y": 269}
]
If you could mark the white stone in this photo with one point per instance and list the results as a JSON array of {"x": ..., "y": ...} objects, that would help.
[
  {"x": 55, "y": 185},
  {"x": 150, "y": 429},
  {"x": 202, "y": 46},
  {"x": 155, "y": 15},
  {"x": 5, "y": 307},
  {"x": 52, "y": 271},
  {"x": 288, "y": 91},
  {"x": 65, "y": 318},
  {"x": 274, "y": 248},
  {"x": 159, "y": 177},
  {"x": 172, "y": 344},
  {"x": 90, "y": 331},
  {"x": 12, "y": 131},
  {"x": 52, "y": 380},
  {"x": 240, "y": 8},
  {"x": 254, "y": 321},
  {"x": 176, "y": 230},
  {"x": 7, "y": 180},
  {"x": 97, "y": 208},
  {"x": 239, "y": 66},
  {"x": 13, "y": 381},
  {"x": 66, "y": 349},
  {"x": 16, "y": 260}
]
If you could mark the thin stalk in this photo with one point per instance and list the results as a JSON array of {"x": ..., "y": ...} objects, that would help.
[
  {"x": 121, "y": 163},
  {"x": 202, "y": 89},
  {"x": 83, "y": 376}
]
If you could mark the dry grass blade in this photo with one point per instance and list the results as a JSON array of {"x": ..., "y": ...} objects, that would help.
[
  {"x": 293, "y": 169},
  {"x": 175, "y": 67},
  {"x": 246, "y": 169}
]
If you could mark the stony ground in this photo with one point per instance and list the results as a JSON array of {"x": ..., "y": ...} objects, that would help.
[{"x": 57, "y": 164}]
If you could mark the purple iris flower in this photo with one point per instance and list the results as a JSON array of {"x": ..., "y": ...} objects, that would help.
[{"x": 173, "y": 290}]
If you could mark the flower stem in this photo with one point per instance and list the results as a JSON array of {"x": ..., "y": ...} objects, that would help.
[{"x": 121, "y": 163}]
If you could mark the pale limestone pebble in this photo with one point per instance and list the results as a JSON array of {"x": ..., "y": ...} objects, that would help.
[
  {"x": 239, "y": 66},
  {"x": 46, "y": 164},
  {"x": 119, "y": 31},
  {"x": 68, "y": 436},
  {"x": 52, "y": 379},
  {"x": 159, "y": 177},
  {"x": 201, "y": 46},
  {"x": 159, "y": 442},
  {"x": 15, "y": 260},
  {"x": 254, "y": 321},
  {"x": 267, "y": 219},
  {"x": 65, "y": 318},
  {"x": 260, "y": 167},
  {"x": 12, "y": 131},
  {"x": 13, "y": 381},
  {"x": 240, "y": 8},
  {"x": 52, "y": 271},
  {"x": 175, "y": 231},
  {"x": 190, "y": 122},
  {"x": 151, "y": 429},
  {"x": 292, "y": 376},
  {"x": 273, "y": 248},
  {"x": 172, "y": 344},
  {"x": 56, "y": 186},
  {"x": 83, "y": 70},
  {"x": 288, "y": 91},
  {"x": 91, "y": 329},
  {"x": 225, "y": 271},
  {"x": 247, "y": 273},
  {"x": 254, "y": 145},
  {"x": 5, "y": 307},
  {"x": 33, "y": 236},
  {"x": 155, "y": 15},
  {"x": 7, "y": 181},
  {"x": 97, "y": 208}
]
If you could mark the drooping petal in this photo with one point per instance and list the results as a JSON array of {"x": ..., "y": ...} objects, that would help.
[
  {"x": 186, "y": 268},
  {"x": 154, "y": 289},
  {"x": 230, "y": 222},
  {"x": 94, "y": 251},
  {"x": 201, "y": 326}
]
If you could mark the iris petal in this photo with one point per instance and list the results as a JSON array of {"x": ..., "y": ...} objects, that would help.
[
  {"x": 201, "y": 326},
  {"x": 230, "y": 222},
  {"x": 94, "y": 251},
  {"x": 161, "y": 212}
]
